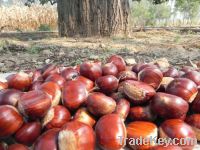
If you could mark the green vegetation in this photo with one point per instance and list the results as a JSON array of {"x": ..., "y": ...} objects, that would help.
[{"x": 44, "y": 27}]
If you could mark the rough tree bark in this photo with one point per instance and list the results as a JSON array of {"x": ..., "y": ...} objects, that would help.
[{"x": 92, "y": 17}]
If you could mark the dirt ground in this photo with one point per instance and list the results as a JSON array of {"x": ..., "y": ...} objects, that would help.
[{"x": 19, "y": 54}]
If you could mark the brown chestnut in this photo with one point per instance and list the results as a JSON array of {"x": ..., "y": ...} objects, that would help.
[
  {"x": 118, "y": 61},
  {"x": 99, "y": 104},
  {"x": 187, "y": 69},
  {"x": 171, "y": 72},
  {"x": 194, "y": 76},
  {"x": 10, "y": 120},
  {"x": 109, "y": 69},
  {"x": 84, "y": 116},
  {"x": 107, "y": 84},
  {"x": 58, "y": 79},
  {"x": 51, "y": 69},
  {"x": 111, "y": 132},
  {"x": 3, "y": 85},
  {"x": 169, "y": 106},
  {"x": 17, "y": 147},
  {"x": 136, "y": 67},
  {"x": 88, "y": 83},
  {"x": 74, "y": 94},
  {"x": 34, "y": 104},
  {"x": 91, "y": 70},
  {"x": 69, "y": 74},
  {"x": 164, "y": 83},
  {"x": 28, "y": 133},
  {"x": 141, "y": 130},
  {"x": 56, "y": 117},
  {"x": 37, "y": 76},
  {"x": 184, "y": 88},
  {"x": 122, "y": 108},
  {"x": 127, "y": 75},
  {"x": 138, "y": 92},
  {"x": 195, "y": 106},
  {"x": 76, "y": 135},
  {"x": 151, "y": 76}
]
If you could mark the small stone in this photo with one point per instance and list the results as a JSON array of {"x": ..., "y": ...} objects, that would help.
[
  {"x": 130, "y": 61},
  {"x": 47, "y": 61}
]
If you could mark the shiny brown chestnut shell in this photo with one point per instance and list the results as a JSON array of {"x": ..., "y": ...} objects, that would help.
[
  {"x": 17, "y": 147},
  {"x": 138, "y": 92},
  {"x": 171, "y": 72},
  {"x": 3, "y": 85},
  {"x": 88, "y": 83},
  {"x": 169, "y": 106},
  {"x": 10, "y": 120},
  {"x": 187, "y": 69},
  {"x": 51, "y": 69},
  {"x": 109, "y": 129},
  {"x": 37, "y": 76},
  {"x": 99, "y": 104},
  {"x": 109, "y": 69},
  {"x": 58, "y": 79},
  {"x": 144, "y": 130},
  {"x": 74, "y": 94},
  {"x": 136, "y": 67},
  {"x": 194, "y": 76},
  {"x": 118, "y": 61},
  {"x": 195, "y": 106},
  {"x": 184, "y": 88},
  {"x": 76, "y": 135},
  {"x": 107, "y": 84},
  {"x": 151, "y": 76},
  {"x": 56, "y": 117},
  {"x": 69, "y": 74},
  {"x": 91, "y": 70},
  {"x": 34, "y": 104},
  {"x": 28, "y": 133},
  {"x": 127, "y": 75},
  {"x": 122, "y": 108},
  {"x": 164, "y": 83}
]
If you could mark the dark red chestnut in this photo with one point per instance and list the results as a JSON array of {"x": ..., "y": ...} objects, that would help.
[
  {"x": 99, "y": 104},
  {"x": 10, "y": 97},
  {"x": 88, "y": 83},
  {"x": 56, "y": 117},
  {"x": 69, "y": 74},
  {"x": 35, "y": 85},
  {"x": 164, "y": 83},
  {"x": 127, "y": 75},
  {"x": 107, "y": 84},
  {"x": 109, "y": 69},
  {"x": 34, "y": 104},
  {"x": 74, "y": 94},
  {"x": 111, "y": 132},
  {"x": 141, "y": 113},
  {"x": 176, "y": 128},
  {"x": 169, "y": 106},
  {"x": 47, "y": 141},
  {"x": 117, "y": 96},
  {"x": 184, "y": 88},
  {"x": 171, "y": 72},
  {"x": 91, "y": 70},
  {"x": 138, "y": 92},
  {"x": 19, "y": 81},
  {"x": 28, "y": 133},
  {"x": 136, "y": 67},
  {"x": 3, "y": 85},
  {"x": 76, "y": 135},
  {"x": 37, "y": 76},
  {"x": 118, "y": 61},
  {"x": 17, "y": 147},
  {"x": 10, "y": 119},
  {"x": 51, "y": 69},
  {"x": 187, "y": 69},
  {"x": 194, "y": 76},
  {"x": 57, "y": 79},
  {"x": 84, "y": 116},
  {"x": 122, "y": 108},
  {"x": 151, "y": 76},
  {"x": 149, "y": 65},
  {"x": 195, "y": 107},
  {"x": 142, "y": 130}
]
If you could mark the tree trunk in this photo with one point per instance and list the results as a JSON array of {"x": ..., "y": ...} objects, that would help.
[{"x": 92, "y": 17}]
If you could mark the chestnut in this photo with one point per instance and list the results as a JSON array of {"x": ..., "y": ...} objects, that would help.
[
  {"x": 3, "y": 85},
  {"x": 107, "y": 84},
  {"x": 164, "y": 147},
  {"x": 35, "y": 85},
  {"x": 51, "y": 69},
  {"x": 118, "y": 61},
  {"x": 109, "y": 69},
  {"x": 10, "y": 97},
  {"x": 122, "y": 108},
  {"x": 53, "y": 90},
  {"x": 184, "y": 88},
  {"x": 91, "y": 70},
  {"x": 88, "y": 83},
  {"x": 10, "y": 119},
  {"x": 34, "y": 104},
  {"x": 58, "y": 79},
  {"x": 194, "y": 121},
  {"x": 74, "y": 94},
  {"x": 144, "y": 129},
  {"x": 187, "y": 69},
  {"x": 37, "y": 76},
  {"x": 69, "y": 74},
  {"x": 111, "y": 132},
  {"x": 17, "y": 147},
  {"x": 99, "y": 104},
  {"x": 28, "y": 133},
  {"x": 19, "y": 81},
  {"x": 136, "y": 67},
  {"x": 151, "y": 76},
  {"x": 169, "y": 106},
  {"x": 171, "y": 72},
  {"x": 117, "y": 96},
  {"x": 164, "y": 83},
  {"x": 47, "y": 141},
  {"x": 127, "y": 75},
  {"x": 76, "y": 135},
  {"x": 141, "y": 113},
  {"x": 138, "y": 92},
  {"x": 3, "y": 146},
  {"x": 176, "y": 128},
  {"x": 56, "y": 117},
  {"x": 195, "y": 106},
  {"x": 84, "y": 116},
  {"x": 194, "y": 76}
]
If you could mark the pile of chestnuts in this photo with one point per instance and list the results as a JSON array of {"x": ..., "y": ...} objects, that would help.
[{"x": 92, "y": 105}]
